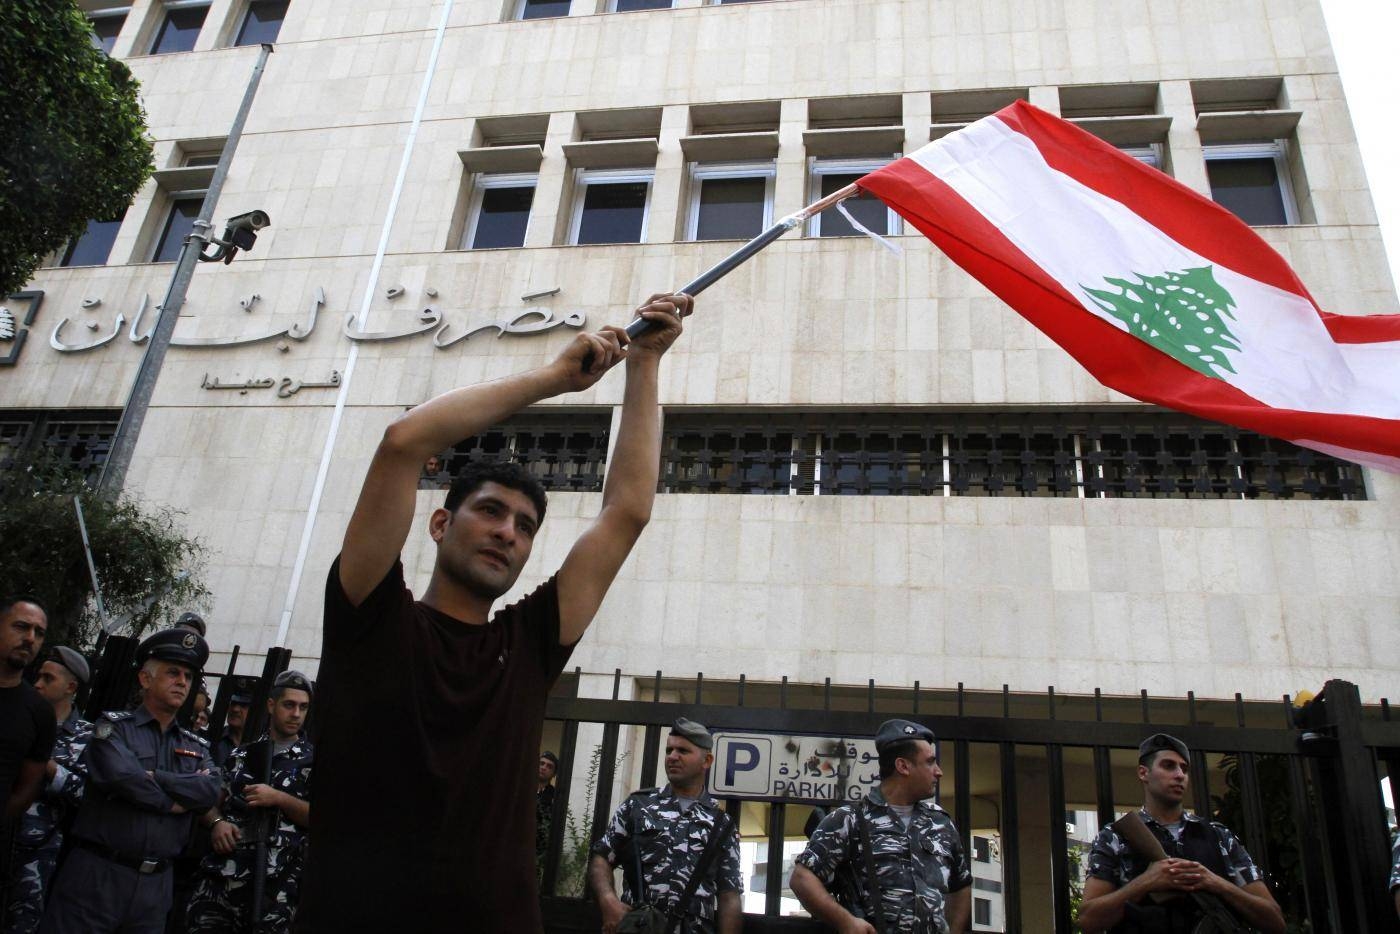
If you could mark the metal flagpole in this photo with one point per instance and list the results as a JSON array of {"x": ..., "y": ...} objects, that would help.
[
  {"x": 92, "y": 573},
  {"x": 134, "y": 412}
]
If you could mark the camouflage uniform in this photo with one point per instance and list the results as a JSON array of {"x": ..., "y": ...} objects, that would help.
[
  {"x": 223, "y": 897},
  {"x": 1395, "y": 865},
  {"x": 1110, "y": 858},
  {"x": 917, "y": 868},
  {"x": 39, "y": 836},
  {"x": 670, "y": 841}
]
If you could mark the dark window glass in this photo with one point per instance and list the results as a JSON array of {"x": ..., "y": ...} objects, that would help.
[
  {"x": 94, "y": 246},
  {"x": 263, "y": 22},
  {"x": 544, "y": 9},
  {"x": 179, "y": 30},
  {"x": 982, "y": 911},
  {"x": 208, "y": 158},
  {"x": 627, "y": 6},
  {"x": 504, "y": 213},
  {"x": 104, "y": 31},
  {"x": 612, "y": 212},
  {"x": 1249, "y": 188},
  {"x": 730, "y": 208},
  {"x": 865, "y": 207},
  {"x": 177, "y": 227}
]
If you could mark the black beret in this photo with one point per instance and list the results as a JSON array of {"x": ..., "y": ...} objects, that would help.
[
  {"x": 181, "y": 646},
  {"x": 1159, "y": 741},
  {"x": 900, "y": 731},
  {"x": 694, "y": 732},
  {"x": 74, "y": 662},
  {"x": 192, "y": 621},
  {"x": 551, "y": 757},
  {"x": 291, "y": 678}
]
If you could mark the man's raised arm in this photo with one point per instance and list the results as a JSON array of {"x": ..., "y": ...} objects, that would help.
[
  {"x": 384, "y": 513},
  {"x": 630, "y": 487}
]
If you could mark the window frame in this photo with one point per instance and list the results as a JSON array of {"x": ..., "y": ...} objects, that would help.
[
  {"x": 166, "y": 7},
  {"x": 1276, "y": 150},
  {"x": 699, "y": 172},
  {"x": 612, "y": 7},
  {"x": 243, "y": 24},
  {"x": 518, "y": 13},
  {"x": 817, "y": 166},
  {"x": 71, "y": 246},
  {"x": 171, "y": 197},
  {"x": 119, "y": 12},
  {"x": 482, "y": 182},
  {"x": 1146, "y": 153},
  {"x": 585, "y": 177}
]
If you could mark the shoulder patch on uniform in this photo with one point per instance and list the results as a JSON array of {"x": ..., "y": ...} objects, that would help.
[
  {"x": 115, "y": 715},
  {"x": 187, "y": 734},
  {"x": 103, "y": 729},
  {"x": 644, "y": 792}
]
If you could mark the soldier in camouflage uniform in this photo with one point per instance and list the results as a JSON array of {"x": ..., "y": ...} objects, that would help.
[
  {"x": 669, "y": 828},
  {"x": 1395, "y": 873},
  {"x": 222, "y": 900},
  {"x": 1202, "y": 857},
  {"x": 925, "y": 885},
  {"x": 39, "y": 834}
]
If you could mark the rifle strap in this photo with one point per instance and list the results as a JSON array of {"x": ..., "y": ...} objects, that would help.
[
  {"x": 702, "y": 869},
  {"x": 872, "y": 879},
  {"x": 639, "y": 892}
]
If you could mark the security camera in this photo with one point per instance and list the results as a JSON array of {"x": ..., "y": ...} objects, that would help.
[{"x": 253, "y": 220}]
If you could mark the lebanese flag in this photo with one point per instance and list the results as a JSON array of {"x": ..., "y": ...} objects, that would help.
[{"x": 1160, "y": 293}]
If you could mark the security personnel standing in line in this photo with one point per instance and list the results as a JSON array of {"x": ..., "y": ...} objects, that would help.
[
  {"x": 1202, "y": 857},
  {"x": 234, "y": 718},
  {"x": 667, "y": 830},
  {"x": 275, "y": 814},
  {"x": 40, "y": 832},
  {"x": 922, "y": 879},
  {"x": 146, "y": 777}
]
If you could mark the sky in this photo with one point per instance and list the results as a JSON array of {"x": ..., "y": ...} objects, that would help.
[{"x": 1363, "y": 38}]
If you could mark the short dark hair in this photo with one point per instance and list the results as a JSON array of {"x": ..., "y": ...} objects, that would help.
[
  {"x": 8, "y": 603},
  {"x": 1150, "y": 758},
  {"x": 506, "y": 473},
  {"x": 905, "y": 750}
]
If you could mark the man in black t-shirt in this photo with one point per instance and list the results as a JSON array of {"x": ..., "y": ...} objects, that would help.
[
  {"x": 27, "y": 725},
  {"x": 440, "y": 694}
]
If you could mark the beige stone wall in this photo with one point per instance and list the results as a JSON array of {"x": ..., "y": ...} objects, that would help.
[{"x": 1117, "y": 594}]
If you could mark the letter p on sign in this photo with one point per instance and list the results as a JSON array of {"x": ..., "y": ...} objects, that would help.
[{"x": 743, "y": 764}]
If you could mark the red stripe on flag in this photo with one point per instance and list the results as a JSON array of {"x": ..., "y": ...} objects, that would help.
[
  {"x": 1362, "y": 329},
  {"x": 1114, "y": 357}
]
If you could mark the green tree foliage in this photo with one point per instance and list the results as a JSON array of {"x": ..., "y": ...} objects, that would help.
[
  {"x": 73, "y": 144},
  {"x": 149, "y": 569}
]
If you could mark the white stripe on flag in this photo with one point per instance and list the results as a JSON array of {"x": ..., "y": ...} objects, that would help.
[{"x": 1080, "y": 237}]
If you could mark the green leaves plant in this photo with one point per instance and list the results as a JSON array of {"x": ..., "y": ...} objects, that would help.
[{"x": 1184, "y": 314}]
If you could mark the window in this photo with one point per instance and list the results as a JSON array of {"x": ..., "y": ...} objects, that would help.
[
  {"x": 627, "y": 6},
  {"x": 184, "y": 208},
  {"x": 982, "y": 911},
  {"x": 981, "y": 850},
  {"x": 1148, "y": 155},
  {"x": 565, "y": 451},
  {"x": 179, "y": 28},
  {"x": 1251, "y": 180},
  {"x": 730, "y": 201},
  {"x": 610, "y": 205},
  {"x": 1079, "y": 454},
  {"x": 80, "y": 440},
  {"x": 500, "y": 211},
  {"x": 262, "y": 22},
  {"x": 830, "y": 176},
  {"x": 541, "y": 9},
  {"x": 94, "y": 246},
  {"x": 106, "y": 26}
]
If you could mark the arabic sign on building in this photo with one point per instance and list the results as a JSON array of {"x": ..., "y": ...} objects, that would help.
[{"x": 776, "y": 767}]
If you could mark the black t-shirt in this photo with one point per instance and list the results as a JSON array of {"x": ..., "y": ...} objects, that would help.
[
  {"x": 27, "y": 731},
  {"x": 427, "y": 757}
]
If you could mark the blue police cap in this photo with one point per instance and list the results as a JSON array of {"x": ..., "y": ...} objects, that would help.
[
  {"x": 293, "y": 679},
  {"x": 182, "y": 646},
  {"x": 900, "y": 731}
]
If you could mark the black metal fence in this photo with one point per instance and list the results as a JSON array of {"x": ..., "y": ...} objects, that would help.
[{"x": 1301, "y": 786}]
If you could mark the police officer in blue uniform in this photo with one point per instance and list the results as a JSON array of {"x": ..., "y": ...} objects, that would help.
[{"x": 147, "y": 776}]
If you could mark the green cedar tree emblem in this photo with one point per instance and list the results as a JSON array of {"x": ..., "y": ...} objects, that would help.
[{"x": 1183, "y": 314}]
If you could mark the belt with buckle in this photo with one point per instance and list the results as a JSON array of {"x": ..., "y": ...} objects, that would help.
[{"x": 140, "y": 863}]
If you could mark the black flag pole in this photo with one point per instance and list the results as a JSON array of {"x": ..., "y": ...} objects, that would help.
[{"x": 736, "y": 259}]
